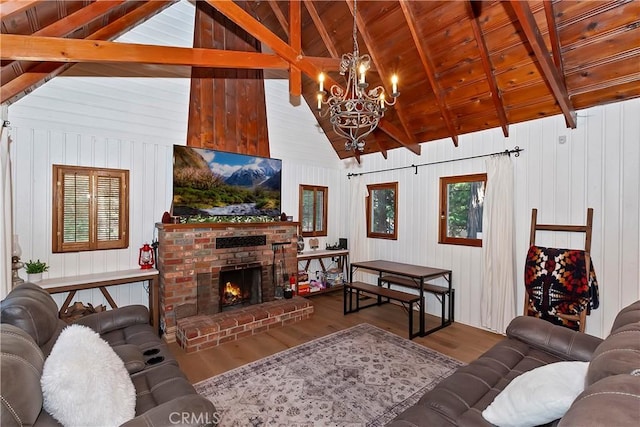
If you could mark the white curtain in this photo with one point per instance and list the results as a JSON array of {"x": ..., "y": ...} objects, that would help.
[
  {"x": 358, "y": 247},
  {"x": 5, "y": 214},
  {"x": 498, "y": 302}
]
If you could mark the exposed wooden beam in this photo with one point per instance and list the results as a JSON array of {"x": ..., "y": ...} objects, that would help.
[
  {"x": 295, "y": 40},
  {"x": 73, "y": 22},
  {"x": 429, "y": 69},
  {"x": 322, "y": 30},
  {"x": 553, "y": 35},
  {"x": 30, "y": 48},
  {"x": 279, "y": 16},
  {"x": 411, "y": 143},
  {"x": 488, "y": 69},
  {"x": 10, "y": 8},
  {"x": 550, "y": 72},
  {"x": 264, "y": 35},
  {"x": 11, "y": 91},
  {"x": 78, "y": 19}
]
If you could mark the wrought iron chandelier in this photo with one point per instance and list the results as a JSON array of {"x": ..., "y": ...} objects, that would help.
[{"x": 355, "y": 112}]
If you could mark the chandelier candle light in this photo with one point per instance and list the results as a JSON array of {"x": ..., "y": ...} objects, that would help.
[{"x": 355, "y": 112}]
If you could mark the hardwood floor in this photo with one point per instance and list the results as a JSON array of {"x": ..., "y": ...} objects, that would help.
[{"x": 459, "y": 341}]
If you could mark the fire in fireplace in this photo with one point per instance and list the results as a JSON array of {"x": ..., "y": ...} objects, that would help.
[{"x": 240, "y": 287}]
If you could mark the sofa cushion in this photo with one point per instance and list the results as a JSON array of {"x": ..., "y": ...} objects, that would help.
[
  {"x": 85, "y": 383},
  {"x": 619, "y": 353},
  {"x": 538, "y": 396},
  {"x": 20, "y": 373},
  {"x": 612, "y": 401},
  {"x": 31, "y": 308}
]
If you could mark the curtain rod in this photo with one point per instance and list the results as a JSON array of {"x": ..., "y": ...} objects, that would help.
[{"x": 515, "y": 150}]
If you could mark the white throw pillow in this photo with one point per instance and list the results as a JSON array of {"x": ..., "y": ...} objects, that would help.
[
  {"x": 538, "y": 396},
  {"x": 84, "y": 382}
]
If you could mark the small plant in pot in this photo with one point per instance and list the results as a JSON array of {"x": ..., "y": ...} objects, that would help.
[{"x": 35, "y": 269}]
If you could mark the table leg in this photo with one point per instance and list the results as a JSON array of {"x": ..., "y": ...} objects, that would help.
[
  {"x": 107, "y": 295},
  {"x": 154, "y": 303},
  {"x": 66, "y": 303},
  {"x": 422, "y": 307}
]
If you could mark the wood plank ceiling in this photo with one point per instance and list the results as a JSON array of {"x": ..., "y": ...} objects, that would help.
[{"x": 463, "y": 66}]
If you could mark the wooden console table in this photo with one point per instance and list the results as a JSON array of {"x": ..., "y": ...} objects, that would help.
[
  {"x": 343, "y": 263},
  {"x": 72, "y": 284}
]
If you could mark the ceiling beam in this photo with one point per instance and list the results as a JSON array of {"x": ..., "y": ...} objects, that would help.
[
  {"x": 322, "y": 30},
  {"x": 411, "y": 144},
  {"x": 12, "y": 91},
  {"x": 264, "y": 35},
  {"x": 30, "y": 48},
  {"x": 295, "y": 41},
  {"x": 488, "y": 69},
  {"x": 10, "y": 8},
  {"x": 550, "y": 73},
  {"x": 67, "y": 25},
  {"x": 427, "y": 64},
  {"x": 279, "y": 16}
]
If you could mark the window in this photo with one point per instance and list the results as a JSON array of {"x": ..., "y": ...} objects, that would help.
[
  {"x": 382, "y": 211},
  {"x": 461, "y": 203},
  {"x": 90, "y": 208},
  {"x": 313, "y": 210}
]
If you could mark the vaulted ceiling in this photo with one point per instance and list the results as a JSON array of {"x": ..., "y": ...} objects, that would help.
[{"x": 463, "y": 66}]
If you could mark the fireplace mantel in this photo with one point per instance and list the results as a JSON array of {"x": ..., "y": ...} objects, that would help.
[
  {"x": 221, "y": 225},
  {"x": 189, "y": 251}
]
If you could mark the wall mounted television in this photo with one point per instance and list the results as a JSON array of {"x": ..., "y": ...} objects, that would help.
[{"x": 217, "y": 183}]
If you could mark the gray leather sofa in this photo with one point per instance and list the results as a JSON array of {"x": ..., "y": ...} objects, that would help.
[
  {"x": 30, "y": 327},
  {"x": 612, "y": 388}
]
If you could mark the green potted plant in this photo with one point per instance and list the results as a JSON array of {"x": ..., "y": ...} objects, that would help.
[{"x": 35, "y": 269}]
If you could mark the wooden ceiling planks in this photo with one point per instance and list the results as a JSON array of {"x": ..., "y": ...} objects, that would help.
[{"x": 595, "y": 46}]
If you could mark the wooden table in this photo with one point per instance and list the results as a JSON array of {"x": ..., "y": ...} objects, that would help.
[
  {"x": 72, "y": 284},
  {"x": 419, "y": 275}
]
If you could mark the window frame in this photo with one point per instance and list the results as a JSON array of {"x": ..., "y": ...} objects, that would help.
[
  {"x": 443, "y": 238},
  {"x": 325, "y": 209},
  {"x": 383, "y": 186},
  {"x": 58, "y": 244}
]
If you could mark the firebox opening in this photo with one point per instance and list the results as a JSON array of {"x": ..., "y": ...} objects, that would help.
[{"x": 240, "y": 288}]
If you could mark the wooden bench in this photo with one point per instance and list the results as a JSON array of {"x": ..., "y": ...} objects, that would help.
[
  {"x": 380, "y": 292},
  {"x": 441, "y": 292}
]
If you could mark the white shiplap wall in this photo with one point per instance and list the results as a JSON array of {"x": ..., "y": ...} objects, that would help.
[
  {"x": 89, "y": 117},
  {"x": 597, "y": 167},
  {"x": 118, "y": 116}
]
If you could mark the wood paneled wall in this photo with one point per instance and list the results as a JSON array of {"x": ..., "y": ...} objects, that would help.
[{"x": 227, "y": 109}]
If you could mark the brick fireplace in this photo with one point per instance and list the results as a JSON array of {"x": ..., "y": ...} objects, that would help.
[{"x": 192, "y": 258}]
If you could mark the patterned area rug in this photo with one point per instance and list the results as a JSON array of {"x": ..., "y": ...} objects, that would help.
[{"x": 362, "y": 376}]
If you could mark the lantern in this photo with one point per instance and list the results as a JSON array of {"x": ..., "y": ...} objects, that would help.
[{"x": 145, "y": 257}]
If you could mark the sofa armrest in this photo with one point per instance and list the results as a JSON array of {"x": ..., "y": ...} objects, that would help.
[
  {"x": 190, "y": 410},
  {"x": 117, "y": 318},
  {"x": 557, "y": 340}
]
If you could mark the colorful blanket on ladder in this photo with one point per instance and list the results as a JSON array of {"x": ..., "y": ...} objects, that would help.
[{"x": 556, "y": 281}]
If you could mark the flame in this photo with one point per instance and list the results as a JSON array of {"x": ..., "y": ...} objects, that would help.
[{"x": 231, "y": 289}]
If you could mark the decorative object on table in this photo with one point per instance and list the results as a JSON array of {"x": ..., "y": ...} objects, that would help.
[
  {"x": 283, "y": 216},
  {"x": 145, "y": 257},
  {"x": 16, "y": 264},
  {"x": 300, "y": 244},
  {"x": 358, "y": 376},
  {"x": 35, "y": 269},
  {"x": 313, "y": 243},
  {"x": 353, "y": 111}
]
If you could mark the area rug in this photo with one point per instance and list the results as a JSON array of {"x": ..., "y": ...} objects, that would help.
[{"x": 361, "y": 376}]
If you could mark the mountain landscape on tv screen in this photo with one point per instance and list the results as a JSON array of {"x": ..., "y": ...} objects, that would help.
[{"x": 211, "y": 183}]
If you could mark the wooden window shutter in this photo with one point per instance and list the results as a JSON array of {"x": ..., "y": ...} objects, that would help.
[{"x": 90, "y": 208}]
